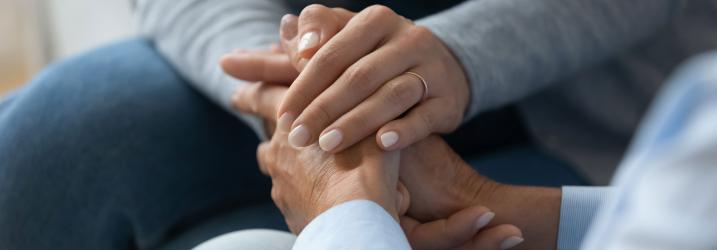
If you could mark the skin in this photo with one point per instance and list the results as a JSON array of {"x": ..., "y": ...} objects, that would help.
[
  {"x": 353, "y": 82},
  {"x": 308, "y": 181},
  {"x": 441, "y": 186},
  {"x": 440, "y": 182}
]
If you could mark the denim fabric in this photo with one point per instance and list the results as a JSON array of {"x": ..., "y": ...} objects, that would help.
[{"x": 113, "y": 150}]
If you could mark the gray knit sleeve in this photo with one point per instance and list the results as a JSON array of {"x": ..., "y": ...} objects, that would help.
[
  {"x": 512, "y": 48},
  {"x": 194, "y": 34}
]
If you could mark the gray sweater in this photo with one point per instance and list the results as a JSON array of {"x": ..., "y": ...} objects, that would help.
[{"x": 582, "y": 72}]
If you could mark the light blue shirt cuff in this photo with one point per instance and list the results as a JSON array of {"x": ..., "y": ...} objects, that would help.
[
  {"x": 358, "y": 224},
  {"x": 577, "y": 210}
]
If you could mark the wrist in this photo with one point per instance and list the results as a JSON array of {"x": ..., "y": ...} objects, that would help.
[
  {"x": 364, "y": 183},
  {"x": 535, "y": 210}
]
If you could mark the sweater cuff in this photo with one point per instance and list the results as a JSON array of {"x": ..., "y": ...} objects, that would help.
[
  {"x": 445, "y": 29},
  {"x": 577, "y": 210}
]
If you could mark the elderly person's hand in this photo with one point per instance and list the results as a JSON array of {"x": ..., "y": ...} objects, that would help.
[
  {"x": 366, "y": 72},
  {"x": 308, "y": 181}
]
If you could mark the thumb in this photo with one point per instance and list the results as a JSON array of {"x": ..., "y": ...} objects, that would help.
[
  {"x": 404, "y": 199},
  {"x": 448, "y": 233},
  {"x": 259, "y": 66}
]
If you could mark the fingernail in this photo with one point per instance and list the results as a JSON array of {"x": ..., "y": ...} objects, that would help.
[
  {"x": 288, "y": 31},
  {"x": 285, "y": 121},
  {"x": 511, "y": 242},
  {"x": 299, "y": 136},
  {"x": 308, "y": 41},
  {"x": 330, "y": 140},
  {"x": 389, "y": 139},
  {"x": 484, "y": 219}
]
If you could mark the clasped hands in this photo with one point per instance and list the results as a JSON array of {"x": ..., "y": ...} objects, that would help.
[{"x": 336, "y": 78}]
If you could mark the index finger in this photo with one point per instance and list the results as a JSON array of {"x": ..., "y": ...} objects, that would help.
[
  {"x": 448, "y": 233},
  {"x": 259, "y": 66},
  {"x": 260, "y": 99},
  {"x": 334, "y": 58}
]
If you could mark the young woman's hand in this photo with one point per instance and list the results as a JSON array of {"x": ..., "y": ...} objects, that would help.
[
  {"x": 366, "y": 72},
  {"x": 308, "y": 181}
]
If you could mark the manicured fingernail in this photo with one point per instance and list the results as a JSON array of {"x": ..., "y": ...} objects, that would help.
[
  {"x": 299, "y": 136},
  {"x": 484, "y": 219},
  {"x": 389, "y": 139},
  {"x": 511, "y": 242},
  {"x": 330, "y": 140},
  {"x": 285, "y": 121},
  {"x": 308, "y": 41}
]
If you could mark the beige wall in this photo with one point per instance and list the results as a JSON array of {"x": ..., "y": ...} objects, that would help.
[
  {"x": 36, "y": 32},
  {"x": 14, "y": 63},
  {"x": 80, "y": 25}
]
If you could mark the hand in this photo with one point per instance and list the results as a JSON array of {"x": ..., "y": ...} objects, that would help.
[
  {"x": 270, "y": 66},
  {"x": 309, "y": 181},
  {"x": 355, "y": 83},
  {"x": 332, "y": 179},
  {"x": 441, "y": 183}
]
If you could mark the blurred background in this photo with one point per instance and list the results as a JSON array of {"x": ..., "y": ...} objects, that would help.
[{"x": 34, "y": 33}]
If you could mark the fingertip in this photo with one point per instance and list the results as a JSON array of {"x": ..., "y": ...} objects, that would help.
[
  {"x": 484, "y": 219},
  {"x": 236, "y": 98},
  {"x": 511, "y": 242},
  {"x": 289, "y": 26},
  {"x": 225, "y": 61},
  {"x": 230, "y": 63},
  {"x": 504, "y": 236},
  {"x": 388, "y": 140},
  {"x": 299, "y": 137},
  {"x": 404, "y": 201}
]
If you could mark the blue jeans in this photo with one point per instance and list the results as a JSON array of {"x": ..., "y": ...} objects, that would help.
[{"x": 114, "y": 150}]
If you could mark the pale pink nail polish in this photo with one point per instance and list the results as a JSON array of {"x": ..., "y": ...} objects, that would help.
[
  {"x": 389, "y": 139},
  {"x": 308, "y": 41},
  {"x": 299, "y": 136},
  {"x": 511, "y": 242},
  {"x": 484, "y": 219},
  {"x": 330, "y": 140}
]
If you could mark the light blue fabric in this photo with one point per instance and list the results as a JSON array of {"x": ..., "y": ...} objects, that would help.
[
  {"x": 358, "y": 224},
  {"x": 665, "y": 187},
  {"x": 577, "y": 211}
]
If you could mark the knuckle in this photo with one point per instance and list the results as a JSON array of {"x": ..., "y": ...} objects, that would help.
[
  {"x": 419, "y": 37},
  {"x": 401, "y": 93},
  {"x": 314, "y": 10},
  {"x": 377, "y": 14},
  {"x": 357, "y": 77},
  {"x": 327, "y": 57},
  {"x": 427, "y": 121},
  {"x": 318, "y": 113}
]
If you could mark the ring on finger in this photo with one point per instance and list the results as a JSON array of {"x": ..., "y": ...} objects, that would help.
[{"x": 423, "y": 81}]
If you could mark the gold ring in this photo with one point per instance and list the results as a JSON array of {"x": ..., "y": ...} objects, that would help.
[{"x": 423, "y": 80}]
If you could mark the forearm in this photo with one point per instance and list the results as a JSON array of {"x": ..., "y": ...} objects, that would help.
[
  {"x": 512, "y": 48},
  {"x": 194, "y": 34}
]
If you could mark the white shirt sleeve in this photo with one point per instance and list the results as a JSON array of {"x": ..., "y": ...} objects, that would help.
[
  {"x": 665, "y": 196},
  {"x": 358, "y": 224}
]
